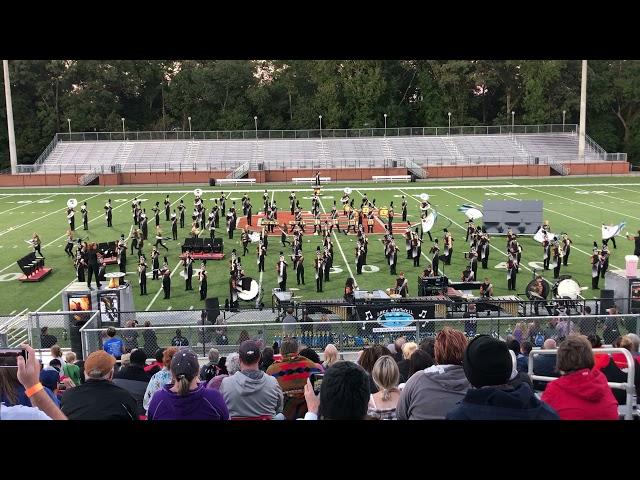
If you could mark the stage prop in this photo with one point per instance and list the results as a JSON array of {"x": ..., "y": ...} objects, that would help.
[
  {"x": 625, "y": 288},
  {"x": 33, "y": 268},
  {"x": 522, "y": 216}
]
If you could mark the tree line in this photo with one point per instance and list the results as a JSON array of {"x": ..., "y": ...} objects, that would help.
[{"x": 290, "y": 94}]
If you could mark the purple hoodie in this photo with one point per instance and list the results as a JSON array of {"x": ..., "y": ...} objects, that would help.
[{"x": 198, "y": 404}]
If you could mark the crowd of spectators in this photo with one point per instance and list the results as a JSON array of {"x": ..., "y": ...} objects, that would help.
[{"x": 448, "y": 376}]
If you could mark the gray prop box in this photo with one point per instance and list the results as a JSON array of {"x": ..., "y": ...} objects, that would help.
[{"x": 523, "y": 216}]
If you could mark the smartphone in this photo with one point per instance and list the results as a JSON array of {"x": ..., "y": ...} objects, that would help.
[
  {"x": 9, "y": 357},
  {"x": 316, "y": 381}
]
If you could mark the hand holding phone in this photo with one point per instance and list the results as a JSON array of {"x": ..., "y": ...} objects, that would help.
[
  {"x": 9, "y": 357},
  {"x": 316, "y": 382}
]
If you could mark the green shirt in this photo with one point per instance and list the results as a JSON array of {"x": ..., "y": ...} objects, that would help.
[{"x": 73, "y": 372}]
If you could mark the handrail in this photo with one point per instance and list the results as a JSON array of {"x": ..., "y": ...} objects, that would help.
[
  {"x": 628, "y": 386},
  {"x": 48, "y": 149}
]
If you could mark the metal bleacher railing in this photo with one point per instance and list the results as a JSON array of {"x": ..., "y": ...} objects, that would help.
[{"x": 390, "y": 147}]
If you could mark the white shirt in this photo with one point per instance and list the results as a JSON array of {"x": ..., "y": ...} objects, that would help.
[{"x": 20, "y": 412}]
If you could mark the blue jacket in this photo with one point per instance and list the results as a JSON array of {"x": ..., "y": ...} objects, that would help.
[
  {"x": 502, "y": 403},
  {"x": 522, "y": 363}
]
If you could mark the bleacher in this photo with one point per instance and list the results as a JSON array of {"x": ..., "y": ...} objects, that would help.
[{"x": 310, "y": 153}]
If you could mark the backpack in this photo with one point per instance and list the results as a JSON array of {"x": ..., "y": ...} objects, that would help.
[{"x": 538, "y": 340}]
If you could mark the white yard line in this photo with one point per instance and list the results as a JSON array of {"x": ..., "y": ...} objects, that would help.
[
  {"x": 339, "y": 247},
  {"x": 579, "y": 202},
  {"x": 13, "y": 229},
  {"x": 576, "y": 219},
  {"x": 24, "y": 204}
]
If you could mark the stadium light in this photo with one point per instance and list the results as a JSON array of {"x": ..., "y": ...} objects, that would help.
[
  {"x": 513, "y": 116},
  {"x": 385, "y": 124},
  {"x": 449, "y": 124},
  {"x": 255, "y": 119},
  {"x": 123, "y": 134},
  {"x": 189, "y": 118},
  {"x": 564, "y": 112},
  {"x": 320, "y": 117},
  {"x": 69, "y": 121}
]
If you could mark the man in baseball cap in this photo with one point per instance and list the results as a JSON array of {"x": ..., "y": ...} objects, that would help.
[
  {"x": 250, "y": 393},
  {"x": 488, "y": 365},
  {"x": 98, "y": 398}
]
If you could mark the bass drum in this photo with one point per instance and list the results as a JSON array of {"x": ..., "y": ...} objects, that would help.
[
  {"x": 531, "y": 295},
  {"x": 568, "y": 288},
  {"x": 250, "y": 289}
]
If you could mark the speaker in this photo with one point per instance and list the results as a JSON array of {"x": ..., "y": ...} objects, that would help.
[
  {"x": 75, "y": 338},
  {"x": 212, "y": 182},
  {"x": 606, "y": 300},
  {"x": 212, "y": 306}
]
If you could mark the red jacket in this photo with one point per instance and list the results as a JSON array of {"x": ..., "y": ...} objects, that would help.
[{"x": 582, "y": 395}]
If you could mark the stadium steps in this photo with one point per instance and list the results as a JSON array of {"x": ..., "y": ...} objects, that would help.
[
  {"x": 122, "y": 157},
  {"x": 451, "y": 147},
  {"x": 258, "y": 156},
  {"x": 192, "y": 152},
  {"x": 15, "y": 330}
]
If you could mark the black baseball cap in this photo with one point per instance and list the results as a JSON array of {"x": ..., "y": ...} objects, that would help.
[{"x": 249, "y": 352}]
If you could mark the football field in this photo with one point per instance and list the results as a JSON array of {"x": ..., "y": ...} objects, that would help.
[{"x": 577, "y": 206}]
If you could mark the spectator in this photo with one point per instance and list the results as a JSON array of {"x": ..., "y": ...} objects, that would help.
[
  {"x": 581, "y": 393},
  {"x": 431, "y": 393},
  {"x": 521, "y": 332},
  {"x": 396, "y": 348},
  {"x": 635, "y": 343},
  {"x": 12, "y": 392},
  {"x": 344, "y": 394},
  {"x": 55, "y": 364},
  {"x": 150, "y": 340},
  {"x": 621, "y": 360},
  {"x": 487, "y": 365},
  {"x": 330, "y": 356},
  {"x": 130, "y": 337},
  {"x": 428, "y": 345},
  {"x": 232, "y": 365},
  {"x": 211, "y": 369},
  {"x": 70, "y": 369},
  {"x": 611, "y": 329},
  {"x": 28, "y": 373},
  {"x": 50, "y": 379},
  {"x": 403, "y": 365},
  {"x": 184, "y": 398},
  {"x": 113, "y": 345},
  {"x": 98, "y": 398},
  {"x": 134, "y": 379},
  {"x": 419, "y": 361},
  {"x": 514, "y": 346},
  {"x": 523, "y": 357},
  {"x": 545, "y": 364},
  {"x": 588, "y": 324},
  {"x": 266, "y": 359},
  {"x": 179, "y": 340},
  {"x": 311, "y": 354},
  {"x": 125, "y": 361},
  {"x": 605, "y": 363},
  {"x": 292, "y": 373},
  {"x": 289, "y": 323},
  {"x": 161, "y": 378},
  {"x": 386, "y": 376},
  {"x": 251, "y": 393},
  {"x": 46, "y": 340},
  {"x": 157, "y": 365},
  {"x": 368, "y": 359},
  {"x": 243, "y": 337},
  {"x": 56, "y": 353},
  {"x": 516, "y": 377}
]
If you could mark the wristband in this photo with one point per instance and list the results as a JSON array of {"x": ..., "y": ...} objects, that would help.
[{"x": 31, "y": 391}]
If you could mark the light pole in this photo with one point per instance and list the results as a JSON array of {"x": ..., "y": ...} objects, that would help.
[
  {"x": 564, "y": 112},
  {"x": 69, "y": 121},
  {"x": 385, "y": 124},
  {"x": 513, "y": 116},
  {"x": 189, "y": 118},
  {"x": 123, "y": 134},
  {"x": 255, "y": 119},
  {"x": 320, "y": 117},
  {"x": 449, "y": 124}
]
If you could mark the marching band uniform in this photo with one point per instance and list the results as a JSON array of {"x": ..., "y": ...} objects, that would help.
[
  {"x": 265, "y": 201},
  {"x": 352, "y": 222},
  {"x": 392, "y": 257},
  {"x": 416, "y": 250},
  {"x": 134, "y": 210},
  {"x": 167, "y": 208},
  {"x": 212, "y": 227},
  {"x": 166, "y": 279},
  {"x": 298, "y": 264},
  {"x": 155, "y": 263},
  {"x": 68, "y": 249},
  {"x": 188, "y": 270},
  {"x": 108, "y": 213},
  {"x": 142, "y": 276},
  {"x": 595, "y": 268},
  {"x": 249, "y": 215},
  {"x": 156, "y": 211},
  {"x": 144, "y": 226},
  {"x": 546, "y": 245},
  {"x": 281, "y": 270},
  {"x": 216, "y": 215},
  {"x": 604, "y": 260},
  {"x": 404, "y": 209},
  {"x": 566, "y": 243},
  {"x": 81, "y": 264},
  {"x": 448, "y": 246},
  {"x": 71, "y": 218},
  {"x": 122, "y": 255},
  {"x": 202, "y": 276},
  {"x": 402, "y": 286},
  {"x": 244, "y": 237},
  {"x": 435, "y": 258},
  {"x": 85, "y": 216},
  {"x": 470, "y": 230},
  {"x": 557, "y": 259},
  {"x": 292, "y": 201},
  {"x": 181, "y": 209},
  {"x": 484, "y": 251},
  {"x": 334, "y": 218},
  {"x": 390, "y": 217},
  {"x": 328, "y": 261},
  {"x": 359, "y": 257},
  {"x": 223, "y": 203},
  {"x": 408, "y": 240},
  {"x": 370, "y": 221},
  {"x": 473, "y": 261},
  {"x": 319, "y": 266},
  {"x": 174, "y": 226},
  {"x": 511, "y": 273},
  {"x": 262, "y": 251},
  {"x": 231, "y": 224}
]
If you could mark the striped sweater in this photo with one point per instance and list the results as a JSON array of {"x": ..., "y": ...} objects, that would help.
[{"x": 292, "y": 373}]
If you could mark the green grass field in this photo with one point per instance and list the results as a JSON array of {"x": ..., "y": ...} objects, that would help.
[{"x": 575, "y": 205}]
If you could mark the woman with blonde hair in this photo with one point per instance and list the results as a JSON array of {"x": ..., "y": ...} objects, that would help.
[
  {"x": 386, "y": 376},
  {"x": 403, "y": 365},
  {"x": 330, "y": 356}
]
